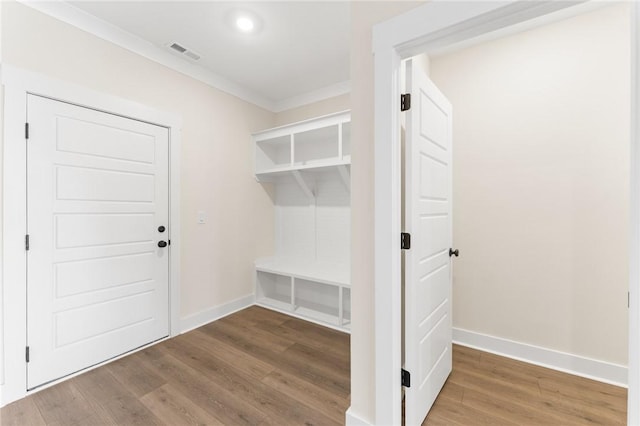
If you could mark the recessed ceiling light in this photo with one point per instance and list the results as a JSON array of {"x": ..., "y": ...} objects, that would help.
[
  {"x": 243, "y": 21},
  {"x": 245, "y": 24}
]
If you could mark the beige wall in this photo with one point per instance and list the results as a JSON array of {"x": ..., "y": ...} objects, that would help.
[
  {"x": 541, "y": 181},
  {"x": 596, "y": 195},
  {"x": 317, "y": 109},
  {"x": 363, "y": 16},
  {"x": 217, "y": 258},
  {"x": 217, "y": 175}
]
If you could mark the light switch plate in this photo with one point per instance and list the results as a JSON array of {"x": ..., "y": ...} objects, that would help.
[{"x": 202, "y": 218}]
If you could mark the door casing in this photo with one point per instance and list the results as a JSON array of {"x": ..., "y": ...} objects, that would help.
[
  {"x": 432, "y": 26},
  {"x": 17, "y": 84}
]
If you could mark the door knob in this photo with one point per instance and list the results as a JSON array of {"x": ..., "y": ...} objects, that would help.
[
  {"x": 162, "y": 243},
  {"x": 453, "y": 252}
]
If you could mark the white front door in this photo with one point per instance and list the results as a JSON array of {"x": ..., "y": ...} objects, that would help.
[
  {"x": 427, "y": 265},
  {"x": 97, "y": 278}
]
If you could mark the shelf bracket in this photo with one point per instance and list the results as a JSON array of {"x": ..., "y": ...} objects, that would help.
[
  {"x": 303, "y": 184},
  {"x": 345, "y": 177}
]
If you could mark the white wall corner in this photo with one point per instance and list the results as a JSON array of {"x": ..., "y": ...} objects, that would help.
[
  {"x": 601, "y": 371},
  {"x": 201, "y": 318},
  {"x": 352, "y": 419}
]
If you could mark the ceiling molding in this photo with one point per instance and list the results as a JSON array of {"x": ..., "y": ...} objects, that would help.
[
  {"x": 337, "y": 89},
  {"x": 78, "y": 18}
]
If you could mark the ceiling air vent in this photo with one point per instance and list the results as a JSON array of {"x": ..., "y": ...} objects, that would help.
[{"x": 176, "y": 47}]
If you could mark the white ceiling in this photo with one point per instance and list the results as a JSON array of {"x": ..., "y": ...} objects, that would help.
[{"x": 300, "y": 53}]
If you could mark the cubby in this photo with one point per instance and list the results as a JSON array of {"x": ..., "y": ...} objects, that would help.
[
  {"x": 316, "y": 146},
  {"x": 273, "y": 153},
  {"x": 274, "y": 288},
  {"x": 308, "y": 164}
]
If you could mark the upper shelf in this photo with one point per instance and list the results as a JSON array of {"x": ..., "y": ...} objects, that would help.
[{"x": 307, "y": 145}]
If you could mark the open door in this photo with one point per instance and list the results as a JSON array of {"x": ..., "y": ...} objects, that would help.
[{"x": 427, "y": 264}]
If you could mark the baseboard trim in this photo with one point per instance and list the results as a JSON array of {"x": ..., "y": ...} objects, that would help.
[
  {"x": 352, "y": 419},
  {"x": 201, "y": 318},
  {"x": 601, "y": 371}
]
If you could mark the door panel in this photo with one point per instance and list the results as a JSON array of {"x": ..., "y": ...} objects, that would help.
[
  {"x": 427, "y": 217},
  {"x": 97, "y": 190},
  {"x": 76, "y": 183}
]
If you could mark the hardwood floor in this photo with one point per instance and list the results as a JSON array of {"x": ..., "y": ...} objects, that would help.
[
  {"x": 260, "y": 367},
  {"x": 253, "y": 367},
  {"x": 486, "y": 389}
]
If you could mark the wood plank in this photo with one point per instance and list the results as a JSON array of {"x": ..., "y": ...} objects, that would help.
[
  {"x": 249, "y": 364},
  {"x": 255, "y": 315},
  {"x": 233, "y": 327},
  {"x": 506, "y": 409},
  {"x": 317, "y": 341},
  {"x": 276, "y": 405},
  {"x": 214, "y": 399},
  {"x": 258, "y": 367},
  {"x": 22, "y": 412},
  {"x": 309, "y": 394},
  {"x": 135, "y": 375},
  {"x": 176, "y": 409},
  {"x": 64, "y": 404},
  {"x": 102, "y": 389},
  {"x": 282, "y": 360},
  {"x": 448, "y": 412}
]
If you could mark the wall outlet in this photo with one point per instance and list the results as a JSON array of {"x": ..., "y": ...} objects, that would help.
[{"x": 202, "y": 218}]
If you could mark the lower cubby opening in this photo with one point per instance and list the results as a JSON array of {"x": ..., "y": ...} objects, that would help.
[
  {"x": 346, "y": 307},
  {"x": 274, "y": 290},
  {"x": 317, "y": 300}
]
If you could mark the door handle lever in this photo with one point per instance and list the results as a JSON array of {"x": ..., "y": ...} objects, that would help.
[{"x": 453, "y": 252}]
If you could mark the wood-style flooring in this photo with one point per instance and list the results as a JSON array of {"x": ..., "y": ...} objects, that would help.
[
  {"x": 258, "y": 367},
  {"x": 486, "y": 389},
  {"x": 255, "y": 367}
]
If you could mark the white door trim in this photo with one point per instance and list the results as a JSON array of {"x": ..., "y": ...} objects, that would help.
[
  {"x": 433, "y": 25},
  {"x": 17, "y": 84}
]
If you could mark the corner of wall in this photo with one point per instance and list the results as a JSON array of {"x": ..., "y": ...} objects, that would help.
[{"x": 352, "y": 419}]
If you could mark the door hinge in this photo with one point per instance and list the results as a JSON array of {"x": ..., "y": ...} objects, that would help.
[
  {"x": 406, "y": 378},
  {"x": 26, "y": 353},
  {"x": 405, "y": 102},
  {"x": 26, "y": 130},
  {"x": 26, "y": 242},
  {"x": 405, "y": 241}
]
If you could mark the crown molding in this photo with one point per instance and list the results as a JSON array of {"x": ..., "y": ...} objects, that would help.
[
  {"x": 78, "y": 18},
  {"x": 327, "y": 92}
]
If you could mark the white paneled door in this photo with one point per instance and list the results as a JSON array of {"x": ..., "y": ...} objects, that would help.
[
  {"x": 97, "y": 207},
  {"x": 427, "y": 298}
]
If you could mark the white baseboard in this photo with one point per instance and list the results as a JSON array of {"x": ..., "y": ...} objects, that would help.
[
  {"x": 601, "y": 371},
  {"x": 201, "y": 318},
  {"x": 352, "y": 419}
]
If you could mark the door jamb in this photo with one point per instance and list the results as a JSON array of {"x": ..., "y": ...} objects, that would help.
[
  {"x": 434, "y": 25},
  {"x": 18, "y": 84}
]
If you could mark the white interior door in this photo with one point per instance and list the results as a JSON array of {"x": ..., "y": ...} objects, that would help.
[
  {"x": 97, "y": 279},
  {"x": 427, "y": 265}
]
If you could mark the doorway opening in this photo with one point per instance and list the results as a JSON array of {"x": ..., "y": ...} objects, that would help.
[
  {"x": 432, "y": 37},
  {"x": 540, "y": 166}
]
